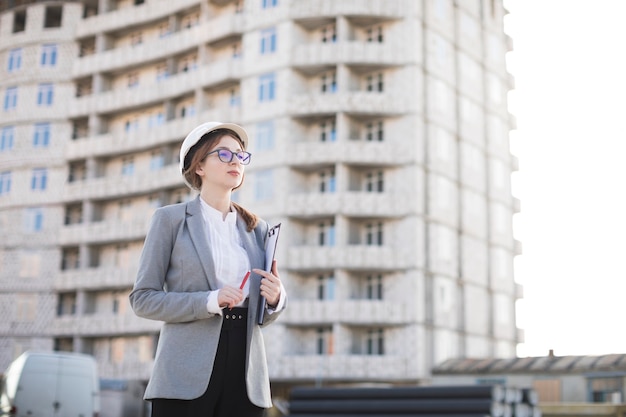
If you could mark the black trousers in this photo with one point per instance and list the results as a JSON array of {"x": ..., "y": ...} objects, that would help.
[{"x": 226, "y": 395}]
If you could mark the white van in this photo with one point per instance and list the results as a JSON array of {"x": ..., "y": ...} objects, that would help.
[{"x": 47, "y": 384}]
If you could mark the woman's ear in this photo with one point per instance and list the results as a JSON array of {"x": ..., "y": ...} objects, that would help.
[{"x": 200, "y": 170}]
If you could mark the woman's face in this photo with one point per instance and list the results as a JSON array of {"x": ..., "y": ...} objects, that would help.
[{"x": 222, "y": 175}]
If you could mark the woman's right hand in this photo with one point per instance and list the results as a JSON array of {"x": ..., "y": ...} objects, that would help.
[{"x": 229, "y": 296}]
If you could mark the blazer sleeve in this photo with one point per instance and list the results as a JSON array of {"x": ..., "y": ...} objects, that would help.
[{"x": 150, "y": 297}]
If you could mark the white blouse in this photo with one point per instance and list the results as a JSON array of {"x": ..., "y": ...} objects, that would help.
[{"x": 229, "y": 257}]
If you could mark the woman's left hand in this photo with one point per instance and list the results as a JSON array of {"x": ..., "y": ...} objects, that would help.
[{"x": 270, "y": 284}]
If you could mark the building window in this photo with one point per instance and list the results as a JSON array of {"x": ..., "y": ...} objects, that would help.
[
  {"x": 236, "y": 50},
  {"x": 375, "y": 342},
  {"x": 39, "y": 179},
  {"x": 266, "y": 4},
  {"x": 189, "y": 21},
  {"x": 33, "y": 219},
  {"x": 328, "y": 33},
  {"x": 187, "y": 110},
  {"x": 45, "y": 94},
  {"x": 41, "y": 135},
  {"x": 188, "y": 63},
  {"x": 19, "y": 21},
  {"x": 66, "y": 304},
  {"x": 128, "y": 166},
  {"x": 265, "y": 136},
  {"x": 267, "y": 87},
  {"x": 10, "y": 98},
  {"x": 235, "y": 98},
  {"x": 327, "y": 181},
  {"x": 162, "y": 72},
  {"x": 53, "y": 17},
  {"x": 136, "y": 39},
  {"x": 7, "y": 135},
  {"x": 5, "y": 182},
  {"x": 606, "y": 390},
  {"x": 326, "y": 233},
  {"x": 132, "y": 80},
  {"x": 324, "y": 342},
  {"x": 374, "y": 181},
  {"x": 268, "y": 41},
  {"x": 264, "y": 185},
  {"x": 70, "y": 259},
  {"x": 374, "y": 287},
  {"x": 14, "y": 61},
  {"x": 164, "y": 30},
  {"x": 73, "y": 214},
  {"x": 328, "y": 82},
  {"x": 374, "y": 234},
  {"x": 375, "y": 34},
  {"x": 375, "y": 132},
  {"x": 375, "y": 82},
  {"x": 156, "y": 119},
  {"x": 157, "y": 161},
  {"x": 131, "y": 125},
  {"x": 48, "y": 55},
  {"x": 326, "y": 287},
  {"x": 25, "y": 307},
  {"x": 328, "y": 131}
]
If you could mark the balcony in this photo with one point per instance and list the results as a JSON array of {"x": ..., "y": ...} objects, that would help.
[
  {"x": 356, "y": 204},
  {"x": 104, "y": 231},
  {"x": 115, "y": 186},
  {"x": 357, "y": 102},
  {"x": 177, "y": 85},
  {"x": 95, "y": 278},
  {"x": 102, "y": 325},
  {"x": 389, "y": 153},
  {"x": 350, "y": 312},
  {"x": 363, "y": 53},
  {"x": 119, "y": 143},
  {"x": 354, "y": 257},
  {"x": 342, "y": 367},
  {"x": 130, "y": 17},
  {"x": 312, "y": 9},
  {"x": 131, "y": 56},
  {"x": 158, "y": 49}
]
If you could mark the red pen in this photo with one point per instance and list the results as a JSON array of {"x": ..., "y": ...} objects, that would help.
[{"x": 243, "y": 283}]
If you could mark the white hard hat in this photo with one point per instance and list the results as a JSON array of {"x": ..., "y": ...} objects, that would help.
[{"x": 196, "y": 134}]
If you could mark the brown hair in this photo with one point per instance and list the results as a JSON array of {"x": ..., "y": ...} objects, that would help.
[{"x": 197, "y": 155}]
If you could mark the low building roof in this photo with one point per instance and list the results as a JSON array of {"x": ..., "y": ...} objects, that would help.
[{"x": 539, "y": 364}]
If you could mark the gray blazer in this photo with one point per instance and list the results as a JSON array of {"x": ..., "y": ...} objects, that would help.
[{"x": 176, "y": 272}]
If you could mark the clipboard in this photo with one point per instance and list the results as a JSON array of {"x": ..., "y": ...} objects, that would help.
[{"x": 270, "y": 252}]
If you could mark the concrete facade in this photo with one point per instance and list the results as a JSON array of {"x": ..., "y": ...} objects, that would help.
[{"x": 379, "y": 134}]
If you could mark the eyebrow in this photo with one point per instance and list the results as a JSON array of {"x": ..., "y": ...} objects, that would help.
[{"x": 228, "y": 149}]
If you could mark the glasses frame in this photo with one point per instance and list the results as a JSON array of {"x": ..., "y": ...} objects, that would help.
[{"x": 244, "y": 157}]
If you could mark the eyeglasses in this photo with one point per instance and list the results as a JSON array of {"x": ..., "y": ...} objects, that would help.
[{"x": 226, "y": 156}]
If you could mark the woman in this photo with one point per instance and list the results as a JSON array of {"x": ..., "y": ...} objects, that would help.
[{"x": 210, "y": 358}]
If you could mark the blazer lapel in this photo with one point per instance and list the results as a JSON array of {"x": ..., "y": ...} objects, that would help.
[{"x": 196, "y": 225}]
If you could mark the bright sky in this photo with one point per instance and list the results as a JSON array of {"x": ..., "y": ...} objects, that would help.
[{"x": 569, "y": 65}]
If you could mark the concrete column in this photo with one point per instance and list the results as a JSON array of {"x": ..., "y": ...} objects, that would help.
[
  {"x": 91, "y": 168},
  {"x": 343, "y": 29},
  {"x": 104, "y": 6},
  {"x": 170, "y": 110},
  {"x": 81, "y": 303},
  {"x": 341, "y": 232},
  {"x": 343, "y": 80}
]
